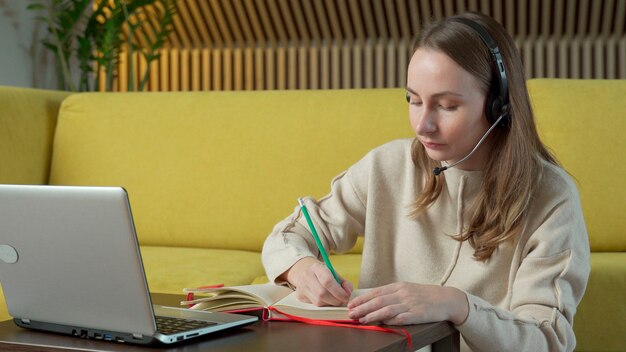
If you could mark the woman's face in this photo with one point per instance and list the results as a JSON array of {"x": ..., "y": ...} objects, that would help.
[{"x": 447, "y": 109}]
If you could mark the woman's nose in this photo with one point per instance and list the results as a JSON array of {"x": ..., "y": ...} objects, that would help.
[{"x": 425, "y": 122}]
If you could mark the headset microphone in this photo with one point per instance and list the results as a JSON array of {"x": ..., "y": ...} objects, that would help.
[{"x": 440, "y": 169}]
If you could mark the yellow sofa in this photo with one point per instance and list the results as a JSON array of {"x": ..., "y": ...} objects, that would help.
[{"x": 210, "y": 173}]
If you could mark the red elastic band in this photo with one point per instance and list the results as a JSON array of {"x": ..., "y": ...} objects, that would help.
[{"x": 345, "y": 324}]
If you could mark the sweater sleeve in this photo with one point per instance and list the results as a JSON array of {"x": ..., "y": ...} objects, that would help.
[
  {"x": 547, "y": 287},
  {"x": 338, "y": 218}
]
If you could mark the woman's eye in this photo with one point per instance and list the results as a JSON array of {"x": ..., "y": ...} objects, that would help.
[
  {"x": 448, "y": 107},
  {"x": 412, "y": 100}
]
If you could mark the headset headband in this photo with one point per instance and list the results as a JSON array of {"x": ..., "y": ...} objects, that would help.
[{"x": 503, "y": 85}]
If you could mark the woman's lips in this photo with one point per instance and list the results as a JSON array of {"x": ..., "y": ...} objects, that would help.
[{"x": 431, "y": 145}]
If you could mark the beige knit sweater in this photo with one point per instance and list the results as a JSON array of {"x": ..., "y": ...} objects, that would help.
[{"x": 524, "y": 296}]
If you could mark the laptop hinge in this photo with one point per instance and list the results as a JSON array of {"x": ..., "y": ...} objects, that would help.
[
  {"x": 25, "y": 321},
  {"x": 138, "y": 336}
]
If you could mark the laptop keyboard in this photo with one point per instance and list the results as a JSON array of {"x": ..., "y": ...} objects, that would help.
[{"x": 169, "y": 325}]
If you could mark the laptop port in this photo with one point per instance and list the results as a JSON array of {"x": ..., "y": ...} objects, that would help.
[
  {"x": 84, "y": 333},
  {"x": 119, "y": 339},
  {"x": 192, "y": 335},
  {"x": 180, "y": 338},
  {"x": 97, "y": 336},
  {"x": 107, "y": 337},
  {"x": 74, "y": 332}
]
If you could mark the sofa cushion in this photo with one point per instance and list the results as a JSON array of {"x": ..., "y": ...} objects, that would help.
[
  {"x": 600, "y": 322},
  {"x": 170, "y": 269},
  {"x": 583, "y": 122},
  {"x": 219, "y": 169},
  {"x": 4, "y": 311}
]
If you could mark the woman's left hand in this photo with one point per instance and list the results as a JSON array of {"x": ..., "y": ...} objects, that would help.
[{"x": 404, "y": 303}]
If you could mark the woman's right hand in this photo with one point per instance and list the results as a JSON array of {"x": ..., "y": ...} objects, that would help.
[{"x": 315, "y": 283}]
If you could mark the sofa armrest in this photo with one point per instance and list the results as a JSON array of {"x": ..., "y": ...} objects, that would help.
[{"x": 27, "y": 123}]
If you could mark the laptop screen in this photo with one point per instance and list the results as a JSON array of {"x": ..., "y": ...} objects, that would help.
[{"x": 78, "y": 250}]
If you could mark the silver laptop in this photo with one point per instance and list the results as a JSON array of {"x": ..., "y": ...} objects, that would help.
[{"x": 70, "y": 263}]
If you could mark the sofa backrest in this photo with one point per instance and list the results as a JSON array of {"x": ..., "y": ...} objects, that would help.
[
  {"x": 583, "y": 122},
  {"x": 219, "y": 169}
]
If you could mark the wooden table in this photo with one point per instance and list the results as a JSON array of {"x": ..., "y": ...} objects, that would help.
[{"x": 260, "y": 336}]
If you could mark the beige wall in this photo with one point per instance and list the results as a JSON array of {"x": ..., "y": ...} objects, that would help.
[{"x": 22, "y": 64}]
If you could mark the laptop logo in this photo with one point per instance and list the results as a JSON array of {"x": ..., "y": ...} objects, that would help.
[{"x": 8, "y": 254}]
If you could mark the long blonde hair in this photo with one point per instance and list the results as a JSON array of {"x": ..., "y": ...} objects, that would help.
[{"x": 499, "y": 211}]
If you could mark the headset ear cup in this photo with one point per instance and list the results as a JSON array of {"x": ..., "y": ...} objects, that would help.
[{"x": 493, "y": 107}]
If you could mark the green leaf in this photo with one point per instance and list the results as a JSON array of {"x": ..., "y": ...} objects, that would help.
[
  {"x": 35, "y": 7},
  {"x": 153, "y": 57},
  {"x": 50, "y": 46}
]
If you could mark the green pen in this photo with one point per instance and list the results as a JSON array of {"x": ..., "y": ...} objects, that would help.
[{"x": 318, "y": 242}]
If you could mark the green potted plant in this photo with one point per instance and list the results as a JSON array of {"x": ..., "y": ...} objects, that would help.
[{"x": 93, "y": 35}]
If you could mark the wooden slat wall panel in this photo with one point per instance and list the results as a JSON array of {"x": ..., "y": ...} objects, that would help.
[
  {"x": 373, "y": 64},
  {"x": 322, "y": 44}
]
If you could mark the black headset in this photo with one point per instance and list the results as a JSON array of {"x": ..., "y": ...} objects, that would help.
[{"x": 498, "y": 97}]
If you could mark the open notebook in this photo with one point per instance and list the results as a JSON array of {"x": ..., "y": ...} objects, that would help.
[
  {"x": 277, "y": 303},
  {"x": 275, "y": 299}
]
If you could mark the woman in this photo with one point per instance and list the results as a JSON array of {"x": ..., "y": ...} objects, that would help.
[{"x": 472, "y": 222}]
